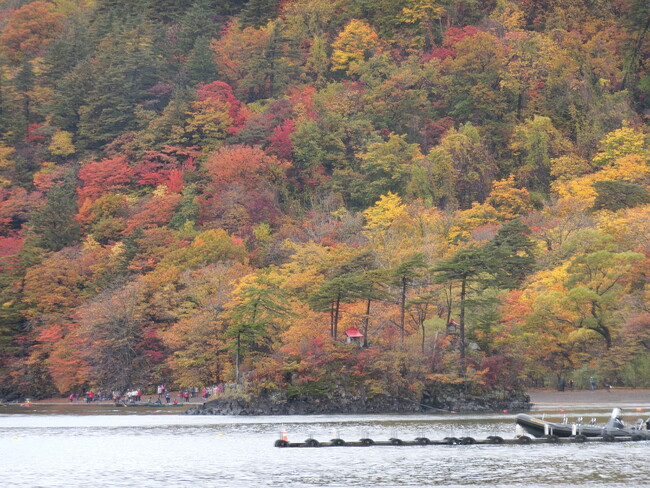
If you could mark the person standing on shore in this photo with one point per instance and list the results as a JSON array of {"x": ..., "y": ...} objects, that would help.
[{"x": 592, "y": 383}]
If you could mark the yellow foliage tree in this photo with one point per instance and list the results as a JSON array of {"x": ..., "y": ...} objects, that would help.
[
  {"x": 61, "y": 144},
  {"x": 208, "y": 122},
  {"x": 69, "y": 7},
  {"x": 509, "y": 201},
  {"x": 505, "y": 202},
  {"x": 629, "y": 227},
  {"x": 469, "y": 220},
  {"x": 384, "y": 212},
  {"x": 5, "y": 160},
  {"x": 425, "y": 13},
  {"x": 619, "y": 143},
  {"x": 303, "y": 273},
  {"x": 508, "y": 17},
  {"x": 567, "y": 167},
  {"x": 632, "y": 168},
  {"x": 358, "y": 42}
]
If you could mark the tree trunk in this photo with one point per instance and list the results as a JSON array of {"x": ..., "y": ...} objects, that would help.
[
  {"x": 365, "y": 324},
  {"x": 423, "y": 335},
  {"x": 402, "y": 312},
  {"x": 635, "y": 52},
  {"x": 336, "y": 317},
  {"x": 462, "y": 369},
  {"x": 237, "y": 357},
  {"x": 450, "y": 302}
]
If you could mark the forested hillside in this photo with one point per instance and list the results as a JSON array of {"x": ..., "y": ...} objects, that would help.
[{"x": 215, "y": 191}]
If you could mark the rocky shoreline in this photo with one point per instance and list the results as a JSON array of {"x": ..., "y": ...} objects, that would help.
[{"x": 445, "y": 400}]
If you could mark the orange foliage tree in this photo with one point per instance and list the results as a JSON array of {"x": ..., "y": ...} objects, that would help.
[{"x": 30, "y": 29}]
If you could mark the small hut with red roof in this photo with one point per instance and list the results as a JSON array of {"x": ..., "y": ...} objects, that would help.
[{"x": 353, "y": 336}]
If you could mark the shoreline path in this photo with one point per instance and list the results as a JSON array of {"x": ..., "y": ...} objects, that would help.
[
  {"x": 616, "y": 397},
  {"x": 145, "y": 398}
]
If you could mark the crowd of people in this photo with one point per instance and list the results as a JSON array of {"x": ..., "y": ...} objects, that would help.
[
  {"x": 132, "y": 396},
  {"x": 184, "y": 395}
]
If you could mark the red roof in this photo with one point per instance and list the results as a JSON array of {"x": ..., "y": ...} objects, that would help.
[{"x": 354, "y": 332}]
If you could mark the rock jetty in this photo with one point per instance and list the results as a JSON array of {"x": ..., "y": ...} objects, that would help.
[{"x": 442, "y": 400}]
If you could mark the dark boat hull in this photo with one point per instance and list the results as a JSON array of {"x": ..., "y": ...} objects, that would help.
[{"x": 539, "y": 428}]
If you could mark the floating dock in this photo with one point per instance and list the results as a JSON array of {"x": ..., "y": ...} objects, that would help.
[{"x": 458, "y": 441}]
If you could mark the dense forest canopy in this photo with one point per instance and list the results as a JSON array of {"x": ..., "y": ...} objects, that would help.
[{"x": 196, "y": 192}]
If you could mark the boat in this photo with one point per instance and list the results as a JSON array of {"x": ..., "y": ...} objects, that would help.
[{"x": 615, "y": 427}]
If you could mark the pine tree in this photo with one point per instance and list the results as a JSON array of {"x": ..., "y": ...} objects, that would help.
[
  {"x": 203, "y": 19},
  {"x": 465, "y": 268},
  {"x": 201, "y": 68},
  {"x": 24, "y": 84},
  {"x": 72, "y": 90},
  {"x": 509, "y": 256},
  {"x": 256, "y": 306},
  {"x": 125, "y": 67},
  {"x": 258, "y": 12},
  {"x": 67, "y": 51},
  {"x": 54, "y": 223},
  {"x": 404, "y": 275}
]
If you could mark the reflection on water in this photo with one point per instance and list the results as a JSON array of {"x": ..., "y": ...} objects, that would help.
[{"x": 54, "y": 446}]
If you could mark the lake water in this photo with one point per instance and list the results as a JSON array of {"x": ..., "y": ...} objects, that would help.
[{"x": 103, "y": 446}]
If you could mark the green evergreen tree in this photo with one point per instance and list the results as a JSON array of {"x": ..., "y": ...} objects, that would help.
[
  {"x": 72, "y": 90},
  {"x": 24, "y": 84},
  {"x": 636, "y": 19},
  {"x": 125, "y": 67},
  {"x": 187, "y": 211},
  {"x": 4, "y": 102},
  {"x": 387, "y": 167},
  {"x": 64, "y": 53},
  {"x": 54, "y": 223},
  {"x": 615, "y": 195},
  {"x": 203, "y": 19},
  {"x": 130, "y": 250},
  {"x": 504, "y": 263},
  {"x": 346, "y": 288},
  {"x": 346, "y": 283},
  {"x": 168, "y": 11},
  {"x": 509, "y": 257},
  {"x": 201, "y": 68},
  {"x": 271, "y": 68},
  {"x": 250, "y": 321},
  {"x": 257, "y": 13},
  {"x": 404, "y": 275},
  {"x": 318, "y": 65},
  {"x": 465, "y": 268}
]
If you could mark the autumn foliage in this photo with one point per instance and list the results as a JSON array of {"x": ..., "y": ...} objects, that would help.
[{"x": 217, "y": 192}]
